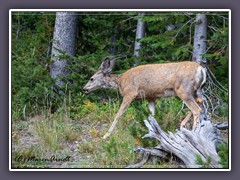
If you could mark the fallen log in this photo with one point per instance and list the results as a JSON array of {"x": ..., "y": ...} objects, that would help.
[{"x": 187, "y": 145}]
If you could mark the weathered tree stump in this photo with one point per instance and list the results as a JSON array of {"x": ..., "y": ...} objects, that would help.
[{"x": 186, "y": 144}]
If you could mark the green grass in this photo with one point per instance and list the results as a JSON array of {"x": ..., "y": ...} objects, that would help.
[
  {"x": 77, "y": 132},
  {"x": 203, "y": 164},
  {"x": 54, "y": 132},
  {"x": 224, "y": 155}
]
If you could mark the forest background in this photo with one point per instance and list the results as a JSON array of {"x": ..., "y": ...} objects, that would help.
[{"x": 46, "y": 123}]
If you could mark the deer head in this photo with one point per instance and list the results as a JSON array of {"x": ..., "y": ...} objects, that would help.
[{"x": 98, "y": 79}]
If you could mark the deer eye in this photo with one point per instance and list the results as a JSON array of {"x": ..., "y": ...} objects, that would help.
[{"x": 91, "y": 79}]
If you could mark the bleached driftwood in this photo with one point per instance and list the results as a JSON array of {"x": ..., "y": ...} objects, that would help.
[{"x": 185, "y": 144}]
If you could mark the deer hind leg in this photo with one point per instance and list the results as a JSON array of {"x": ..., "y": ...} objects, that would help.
[
  {"x": 199, "y": 101},
  {"x": 186, "y": 119},
  {"x": 125, "y": 103},
  {"x": 194, "y": 108},
  {"x": 188, "y": 98},
  {"x": 199, "y": 98}
]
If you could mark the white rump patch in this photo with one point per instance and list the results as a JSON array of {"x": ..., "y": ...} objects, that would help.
[{"x": 200, "y": 76}]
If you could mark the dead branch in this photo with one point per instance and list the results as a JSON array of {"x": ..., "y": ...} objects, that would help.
[
  {"x": 185, "y": 144},
  {"x": 212, "y": 101},
  {"x": 138, "y": 165}
]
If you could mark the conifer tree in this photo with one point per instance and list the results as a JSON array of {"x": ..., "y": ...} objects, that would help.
[{"x": 63, "y": 44}]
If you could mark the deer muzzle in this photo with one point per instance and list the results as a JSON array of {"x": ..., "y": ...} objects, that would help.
[{"x": 85, "y": 90}]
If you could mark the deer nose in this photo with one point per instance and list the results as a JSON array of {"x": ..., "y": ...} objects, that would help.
[{"x": 85, "y": 90}]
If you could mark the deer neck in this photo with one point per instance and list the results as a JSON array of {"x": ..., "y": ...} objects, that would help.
[{"x": 112, "y": 81}]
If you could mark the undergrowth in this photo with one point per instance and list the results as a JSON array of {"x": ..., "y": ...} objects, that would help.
[{"x": 76, "y": 129}]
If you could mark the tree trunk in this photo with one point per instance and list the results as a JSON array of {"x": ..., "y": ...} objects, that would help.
[
  {"x": 63, "y": 45},
  {"x": 112, "y": 48},
  {"x": 200, "y": 37},
  {"x": 140, "y": 33}
]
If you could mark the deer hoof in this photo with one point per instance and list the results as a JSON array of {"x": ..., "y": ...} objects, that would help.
[{"x": 180, "y": 126}]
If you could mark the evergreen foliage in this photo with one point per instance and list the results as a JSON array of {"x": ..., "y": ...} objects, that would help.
[
  {"x": 169, "y": 38},
  {"x": 202, "y": 163},
  {"x": 224, "y": 155}
]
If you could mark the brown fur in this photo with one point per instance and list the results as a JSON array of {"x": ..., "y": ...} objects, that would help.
[{"x": 151, "y": 82}]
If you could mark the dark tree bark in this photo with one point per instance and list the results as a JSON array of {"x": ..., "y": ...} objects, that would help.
[
  {"x": 113, "y": 42},
  {"x": 200, "y": 37},
  {"x": 63, "y": 44}
]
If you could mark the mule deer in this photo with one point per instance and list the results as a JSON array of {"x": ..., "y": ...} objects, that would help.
[{"x": 150, "y": 82}]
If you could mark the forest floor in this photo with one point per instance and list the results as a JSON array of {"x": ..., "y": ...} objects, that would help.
[
  {"x": 57, "y": 141},
  {"x": 82, "y": 147},
  {"x": 27, "y": 146}
]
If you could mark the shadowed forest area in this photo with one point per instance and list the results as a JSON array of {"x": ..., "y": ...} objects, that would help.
[{"x": 53, "y": 55}]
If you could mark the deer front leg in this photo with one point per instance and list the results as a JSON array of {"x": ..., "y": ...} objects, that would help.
[
  {"x": 151, "y": 106},
  {"x": 125, "y": 103}
]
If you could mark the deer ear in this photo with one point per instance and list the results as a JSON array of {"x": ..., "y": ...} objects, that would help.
[{"x": 107, "y": 65}]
